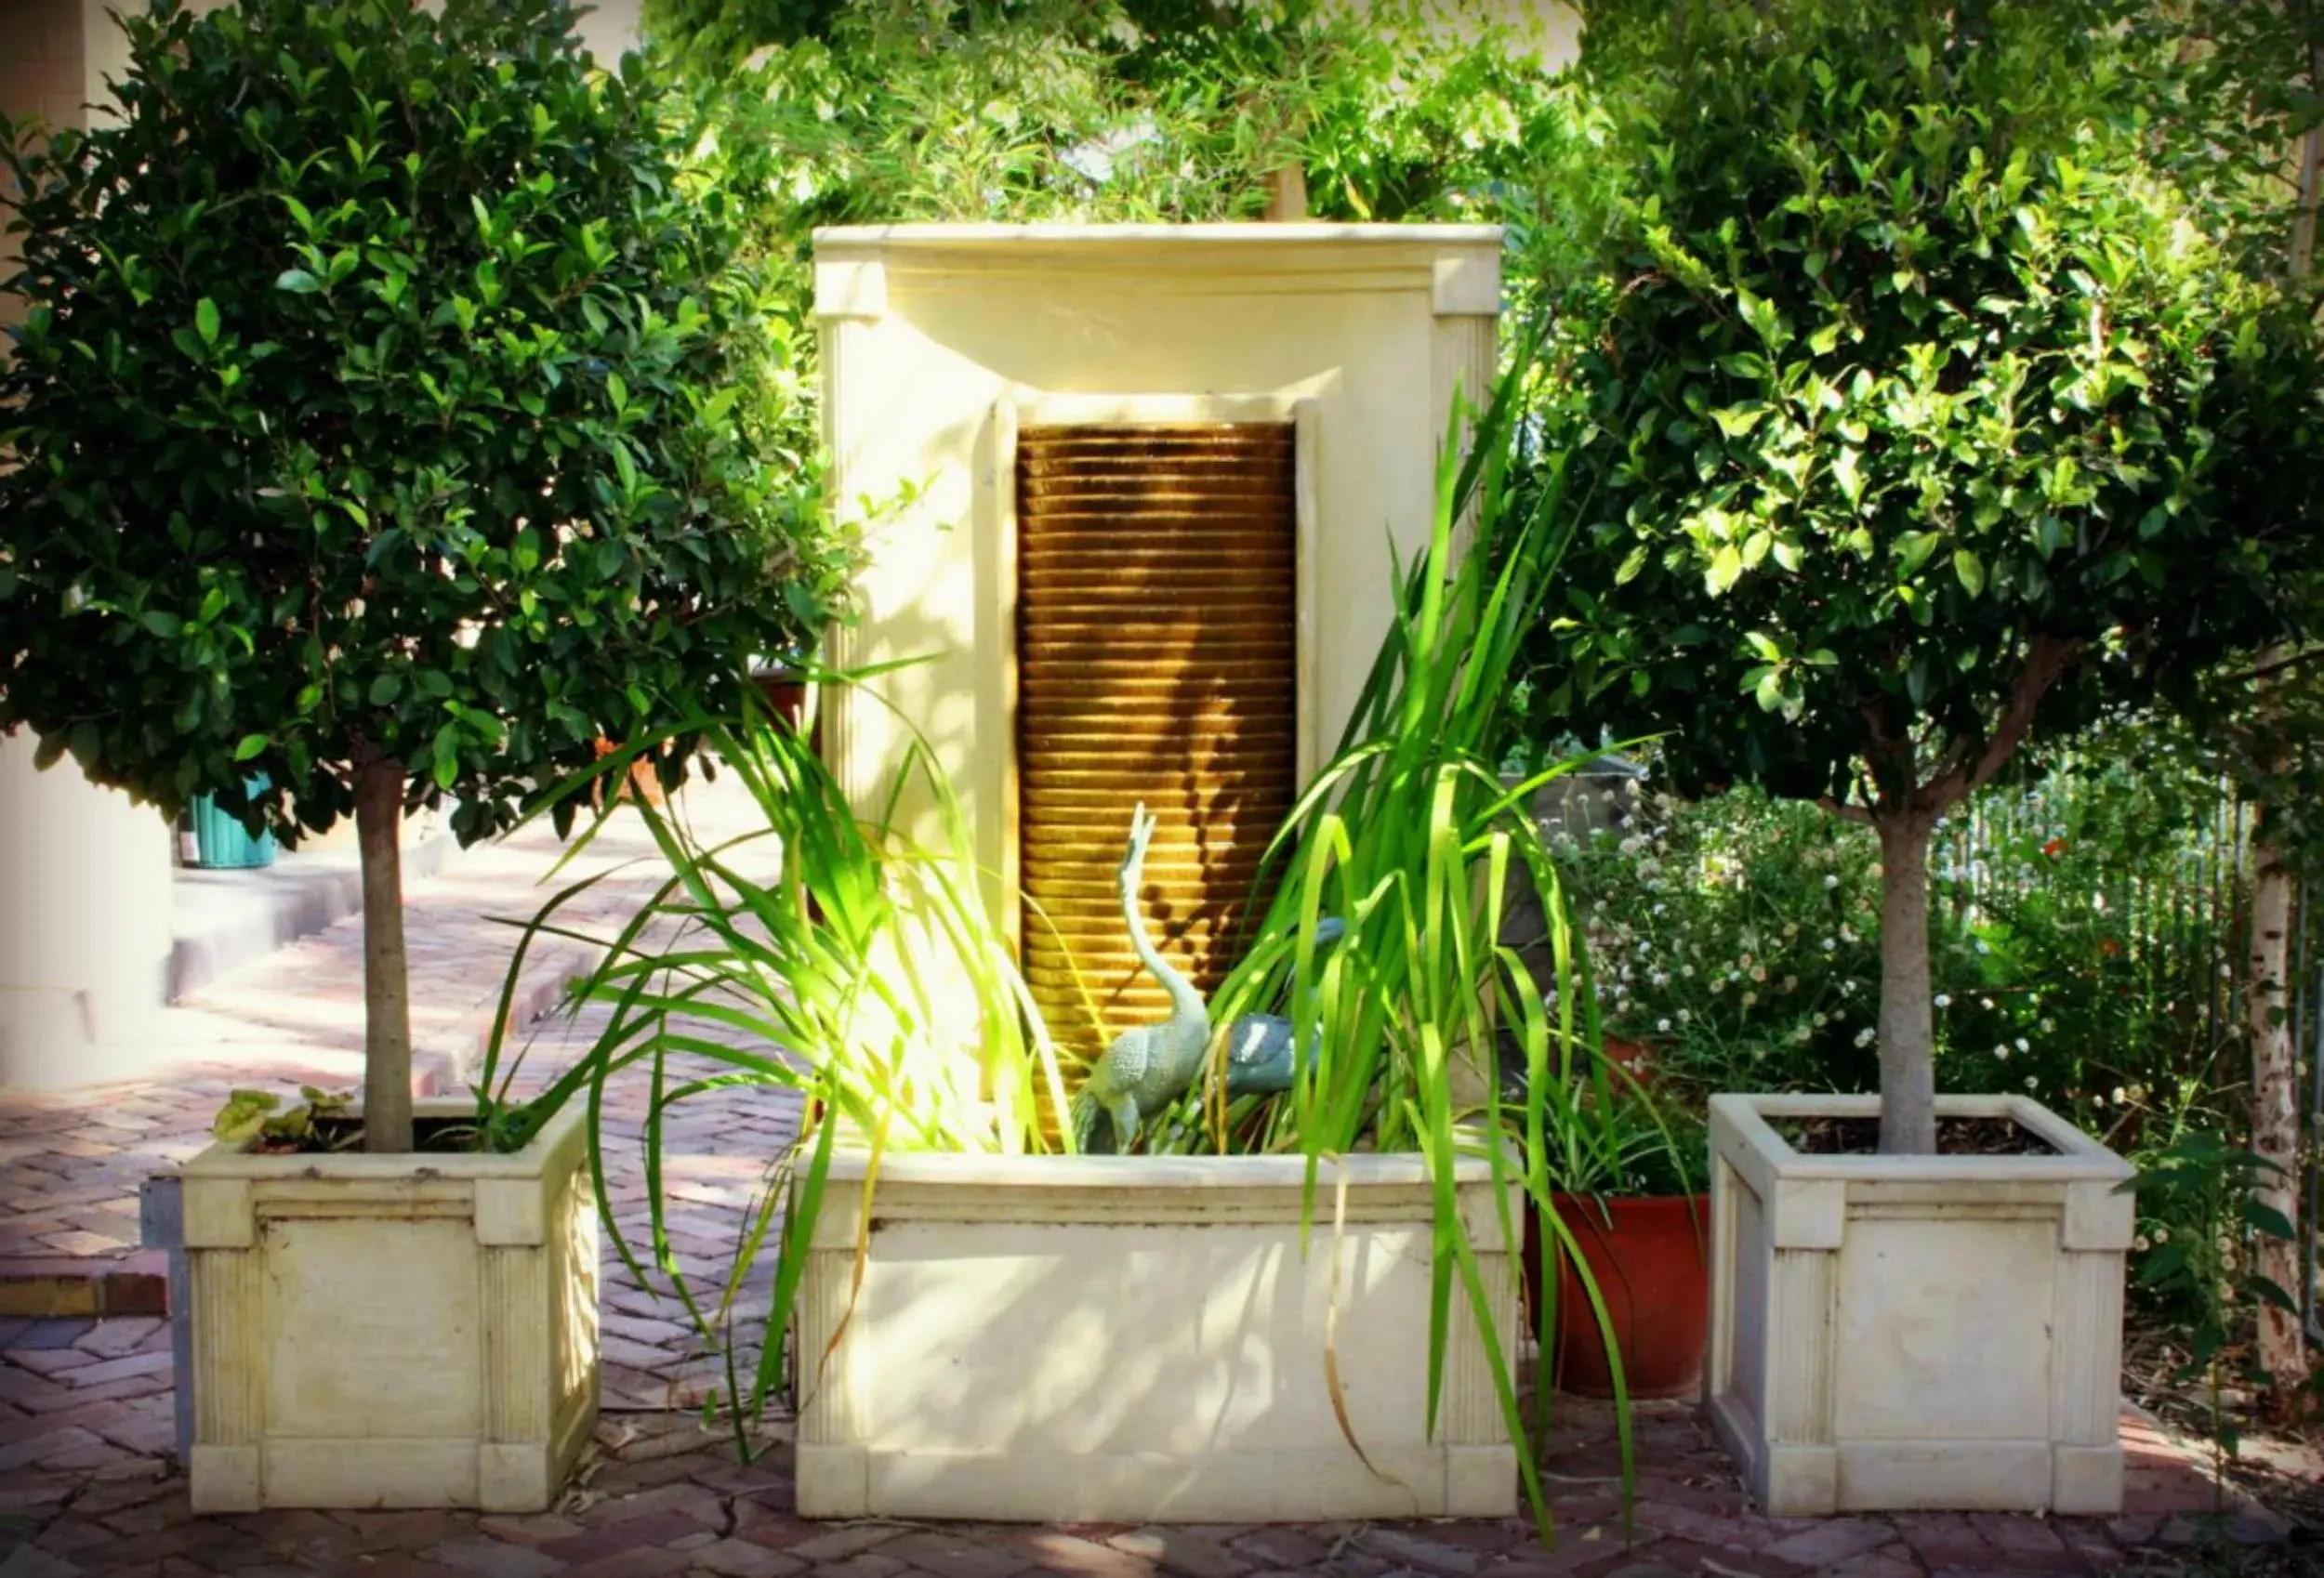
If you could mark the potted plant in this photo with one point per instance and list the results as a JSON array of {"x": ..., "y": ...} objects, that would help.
[
  {"x": 1905, "y": 424},
  {"x": 379, "y": 458},
  {"x": 1630, "y": 1179},
  {"x": 1285, "y": 1296}
]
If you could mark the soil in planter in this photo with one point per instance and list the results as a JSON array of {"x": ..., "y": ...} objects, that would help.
[
  {"x": 431, "y": 1137},
  {"x": 1955, "y": 1136}
]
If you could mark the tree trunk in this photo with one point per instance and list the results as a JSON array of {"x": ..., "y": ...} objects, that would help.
[
  {"x": 1908, "y": 1029},
  {"x": 1287, "y": 195},
  {"x": 2275, "y": 1110},
  {"x": 387, "y": 983},
  {"x": 2275, "y": 1061},
  {"x": 2311, "y": 178}
]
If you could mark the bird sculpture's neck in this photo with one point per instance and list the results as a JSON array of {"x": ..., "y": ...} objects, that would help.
[{"x": 1186, "y": 1003}]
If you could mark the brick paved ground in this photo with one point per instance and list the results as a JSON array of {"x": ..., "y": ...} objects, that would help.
[
  {"x": 87, "y": 1485},
  {"x": 83, "y": 1488},
  {"x": 70, "y": 1162}
]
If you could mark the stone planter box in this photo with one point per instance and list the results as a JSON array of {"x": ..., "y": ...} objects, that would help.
[
  {"x": 1915, "y": 1332},
  {"x": 1132, "y": 1339},
  {"x": 392, "y": 1330}
]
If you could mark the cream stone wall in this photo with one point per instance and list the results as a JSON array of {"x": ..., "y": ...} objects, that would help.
[{"x": 938, "y": 339}]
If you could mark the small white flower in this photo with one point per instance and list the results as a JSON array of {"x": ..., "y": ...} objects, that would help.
[
  {"x": 1847, "y": 932},
  {"x": 1830, "y": 881},
  {"x": 1987, "y": 1000},
  {"x": 1944, "y": 999},
  {"x": 1758, "y": 973},
  {"x": 1750, "y": 998},
  {"x": 2031, "y": 1082},
  {"x": 1663, "y": 1025},
  {"x": 2118, "y": 1095},
  {"x": 2022, "y": 1045},
  {"x": 2226, "y": 972},
  {"x": 2048, "y": 1024},
  {"x": 2140, "y": 1243},
  {"x": 2000, "y": 1051},
  {"x": 1981, "y": 947},
  {"x": 1719, "y": 985},
  {"x": 1866, "y": 1036},
  {"x": 2162, "y": 1234},
  {"x": 1791, "y": 983},
  {"x": 1831, "y": 944},
  {"x": 1684, "y": 1016}
]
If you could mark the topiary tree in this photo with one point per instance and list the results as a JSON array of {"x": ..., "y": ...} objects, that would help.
[
  {"x": 380, "y": 426},
  {"x": 1909, "y": 411}
]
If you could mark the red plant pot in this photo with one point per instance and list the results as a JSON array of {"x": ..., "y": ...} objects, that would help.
[
  {"x": 1634, "y": 1057},
  {"x": 1652, "y": 1269},
  {"x": 785, "y": 692}
]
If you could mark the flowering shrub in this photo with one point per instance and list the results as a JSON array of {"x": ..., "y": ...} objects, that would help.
[{"x": 1736, "y": 937}]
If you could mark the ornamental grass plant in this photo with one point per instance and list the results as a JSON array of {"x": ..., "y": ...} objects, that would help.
[{"x": 819, "y": 952}]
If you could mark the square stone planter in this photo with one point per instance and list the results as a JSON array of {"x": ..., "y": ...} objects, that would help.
[
  {"x": 1132, "y": 1339},
  {"x": 1932, "y": 1332},
  {"x": 392, "y": 1330}
]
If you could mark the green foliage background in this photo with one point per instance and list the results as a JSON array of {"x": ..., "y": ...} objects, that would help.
[{"x": 1899, "y": 353}]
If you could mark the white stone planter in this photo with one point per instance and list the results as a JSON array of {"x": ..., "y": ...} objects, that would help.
[
  {"x": 1915, "y": 1332},
  {"x": 392, "y": 1330},
  {"x": 1130, "y": 1339}
]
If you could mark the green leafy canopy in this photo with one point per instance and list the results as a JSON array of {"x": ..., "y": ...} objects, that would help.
[
  {"x": 387, "y": 392},
  {"x": 1908, "y": 402}
]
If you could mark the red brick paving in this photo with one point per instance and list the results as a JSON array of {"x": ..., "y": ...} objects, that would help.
[
  {"x": 665, "y": 1496},
  {"x": 86, "y": 1486}
]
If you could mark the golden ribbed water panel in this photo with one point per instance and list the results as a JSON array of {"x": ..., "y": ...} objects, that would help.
[{"x": 1157, "y": 610}]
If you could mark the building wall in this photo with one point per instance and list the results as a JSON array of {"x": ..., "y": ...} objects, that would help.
[{"x": 85, "y": 873}]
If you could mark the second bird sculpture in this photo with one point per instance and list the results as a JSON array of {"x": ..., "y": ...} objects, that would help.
[{"x": 1146, "y": 1068}]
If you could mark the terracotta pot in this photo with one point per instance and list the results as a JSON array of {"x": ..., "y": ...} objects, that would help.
[
  {"x": 1635, "y": 1057},
  {"x": 1651, "y": 1269},
  {"x": 785, "y": 693}
]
